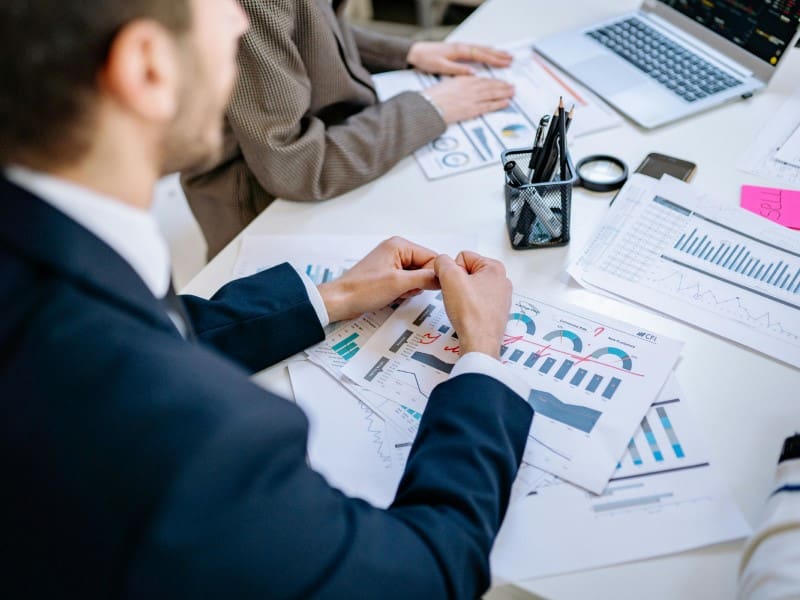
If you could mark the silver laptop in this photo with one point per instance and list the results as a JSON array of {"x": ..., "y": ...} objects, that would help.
[{"x": 673, "y": 58}]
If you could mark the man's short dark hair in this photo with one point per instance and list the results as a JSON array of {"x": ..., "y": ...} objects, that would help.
[{"x": 52, "y": 52}]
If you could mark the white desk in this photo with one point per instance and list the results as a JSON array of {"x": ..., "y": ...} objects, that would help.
[{"x": 745, "y": 403}]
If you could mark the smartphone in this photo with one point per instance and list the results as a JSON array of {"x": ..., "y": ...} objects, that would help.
[{"x": 655, "y": 165}]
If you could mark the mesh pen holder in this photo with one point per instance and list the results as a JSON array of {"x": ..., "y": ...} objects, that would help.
[{"x": 538, "y": 214}]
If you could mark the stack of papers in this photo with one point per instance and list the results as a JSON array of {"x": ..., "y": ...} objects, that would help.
[{"x": 614, "y": 469}]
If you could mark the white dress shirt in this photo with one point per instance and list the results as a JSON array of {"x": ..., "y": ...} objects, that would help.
[
  {"x": 134, "y": 234},
  {"x": 771, "y": 562}
]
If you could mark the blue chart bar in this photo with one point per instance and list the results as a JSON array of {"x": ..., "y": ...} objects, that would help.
[
  {"x": 516, "y": 355},
  {"x": 612, "y": 386},
  {"x": 651, "y": 439},
  {"x": 740, "y": 259},
  {"x": 579, "y": 417},
  {"x": 412, "y": 412},
  {"x": 404, "y": 337},
  {"x": 547, "y": 365},
  {"x": 503, "y": 350},
  {"x": 444, "y": 329},
  {"x": 594, "y": 383},
  {"x": 433, "y": 361},
  {"x": 531, "y": 360},
  {"x": 637, "y": 458},
  {"x": 578, "y": 377},
  {"x": 673, "y": 438},
  {"x": 564, "y": 369}
]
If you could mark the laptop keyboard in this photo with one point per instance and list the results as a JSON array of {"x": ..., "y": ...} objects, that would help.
[{"x": 679, "y": 70}]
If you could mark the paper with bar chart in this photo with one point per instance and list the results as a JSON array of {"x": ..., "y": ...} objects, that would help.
[
  {"x": 472, "y": 144},
  {"x": 664, "y": 497},
  {"x": 590, "y": 379},
  {"x": 727, "y": 271}
]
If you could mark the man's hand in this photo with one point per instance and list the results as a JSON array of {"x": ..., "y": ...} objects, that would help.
[
  {"x": 443, "y": 58},
  {"x": 396, "y": 268},
  {"x": 477, "y": 297},
  {"x": 464, "y": 98}
]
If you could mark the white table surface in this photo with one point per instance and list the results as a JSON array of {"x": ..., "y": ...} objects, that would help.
[{"x": 744, "y": 402}]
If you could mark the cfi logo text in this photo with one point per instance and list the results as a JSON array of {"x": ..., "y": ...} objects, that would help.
[{"x": 647, "y": 336}]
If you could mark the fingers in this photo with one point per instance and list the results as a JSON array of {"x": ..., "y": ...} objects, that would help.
[
  {"x": 472, "y": 262},
  {"x": 451, "y": 67},
  {"x": 491, "y": 57},
  {"x": 409, "y": 254},
  {"x": 420, "y": 279},
  {"x": 446, "y": 269}
]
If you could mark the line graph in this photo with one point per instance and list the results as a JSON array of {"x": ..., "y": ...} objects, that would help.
[{"x": 715, "y": 300}]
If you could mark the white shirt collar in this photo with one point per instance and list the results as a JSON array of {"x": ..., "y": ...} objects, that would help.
[{"x": 131, "y": 232}]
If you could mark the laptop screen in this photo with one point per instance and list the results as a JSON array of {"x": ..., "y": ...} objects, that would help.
[{"x": 764, "y": 28}]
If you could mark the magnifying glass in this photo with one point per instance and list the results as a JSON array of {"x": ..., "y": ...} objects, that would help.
[{"x": 601, "y": 173}]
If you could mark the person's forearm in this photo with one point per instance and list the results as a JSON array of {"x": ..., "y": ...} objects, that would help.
[{"x": 318, "y": 162}]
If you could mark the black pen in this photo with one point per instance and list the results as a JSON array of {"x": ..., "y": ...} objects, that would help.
[
  {"x": 549, "y": 155},
  {"x": 562, "y": 136},
  {"x": 538, "y": 144},
  {"x": 516, "y": 176},
  {"x": 549, "y": 146}
]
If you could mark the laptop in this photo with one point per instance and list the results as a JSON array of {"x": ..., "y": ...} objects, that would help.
[{"x": 674, "y": 58}]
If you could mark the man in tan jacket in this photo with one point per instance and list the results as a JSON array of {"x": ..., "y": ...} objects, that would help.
[{"x": 305, "y": 122}]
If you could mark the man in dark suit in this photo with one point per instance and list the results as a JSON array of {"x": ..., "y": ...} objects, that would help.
[{"x": 139, "y": 460}]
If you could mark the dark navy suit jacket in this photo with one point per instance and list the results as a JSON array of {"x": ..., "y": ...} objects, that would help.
[{"x": 138, "y": 465}]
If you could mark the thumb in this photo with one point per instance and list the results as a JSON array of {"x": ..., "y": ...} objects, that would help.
[{"x": 418, "y": 279}]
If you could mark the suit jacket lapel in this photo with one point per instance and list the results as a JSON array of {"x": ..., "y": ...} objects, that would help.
[
  {"x": 32, "y": 228},
  {"x": 353, "y": 63}
]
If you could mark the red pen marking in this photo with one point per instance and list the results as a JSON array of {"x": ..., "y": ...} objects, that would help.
[
  {"x": 430, "y": 338},
  {"x": 560, "y": 81}
]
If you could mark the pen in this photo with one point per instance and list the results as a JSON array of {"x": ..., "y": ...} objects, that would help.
[
  {"x": 550, "y": 155},
  {"x": 538, "y": 144},
  {"x": 562, "y": 136},
  {"x": 516, "y": 176},
  {"x": 549, "y": 147}
]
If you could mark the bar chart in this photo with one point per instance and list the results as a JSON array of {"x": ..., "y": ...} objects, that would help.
[
  {"x": 320, "y": 274},
  {"x": 662, "y": 442},
  {"x": 749, "y": 258},
  {"x": 547, "y": 366},
  {"x": 348, "y": 347}
]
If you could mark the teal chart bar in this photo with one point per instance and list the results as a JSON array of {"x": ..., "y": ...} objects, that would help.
[
  {"x": 347, "y": 348},
  {"x": 651, "y": 439},
  {"x": 673, "y": 438}
]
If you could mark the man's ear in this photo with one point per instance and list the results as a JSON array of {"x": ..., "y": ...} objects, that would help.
[{"x": 142, "y": 73}]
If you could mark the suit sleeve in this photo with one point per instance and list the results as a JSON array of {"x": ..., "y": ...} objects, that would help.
[
  {"x": 381, "y": 52},
  {"x": 292, "y": 153},
  {"x": 258, "y": 320},
  {"x": 249, "y": 519}
]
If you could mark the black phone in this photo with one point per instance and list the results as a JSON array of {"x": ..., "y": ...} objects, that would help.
[{"x": 655, "y": 165}]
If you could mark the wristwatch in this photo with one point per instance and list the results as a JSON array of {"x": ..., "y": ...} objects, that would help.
[{"x": 791, "y": 448}]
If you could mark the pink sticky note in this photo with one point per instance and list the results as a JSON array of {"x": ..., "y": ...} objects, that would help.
[{"x": 781, "y": 206}]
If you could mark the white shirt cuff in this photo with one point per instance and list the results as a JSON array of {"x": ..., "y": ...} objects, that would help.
[
  {"x": 483, "y": 364},
  {"x": 315, "y": 298}
]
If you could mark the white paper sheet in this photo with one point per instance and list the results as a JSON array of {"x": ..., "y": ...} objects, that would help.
[
  {"x": 590, "y": 378},
  {"x": 664, "y": 498},
  {"x": 789, "y": 152},
  {"x": 728, "y": 271},
  {"x": 472, "y": 144},
  {"x": 351, "y": 446},
  {"x": 761, "y": 157}
]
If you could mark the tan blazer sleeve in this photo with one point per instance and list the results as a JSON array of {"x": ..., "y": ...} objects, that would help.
[
  {"x": 381, "y": 52},
  {"x": 292, "y": 153}
]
